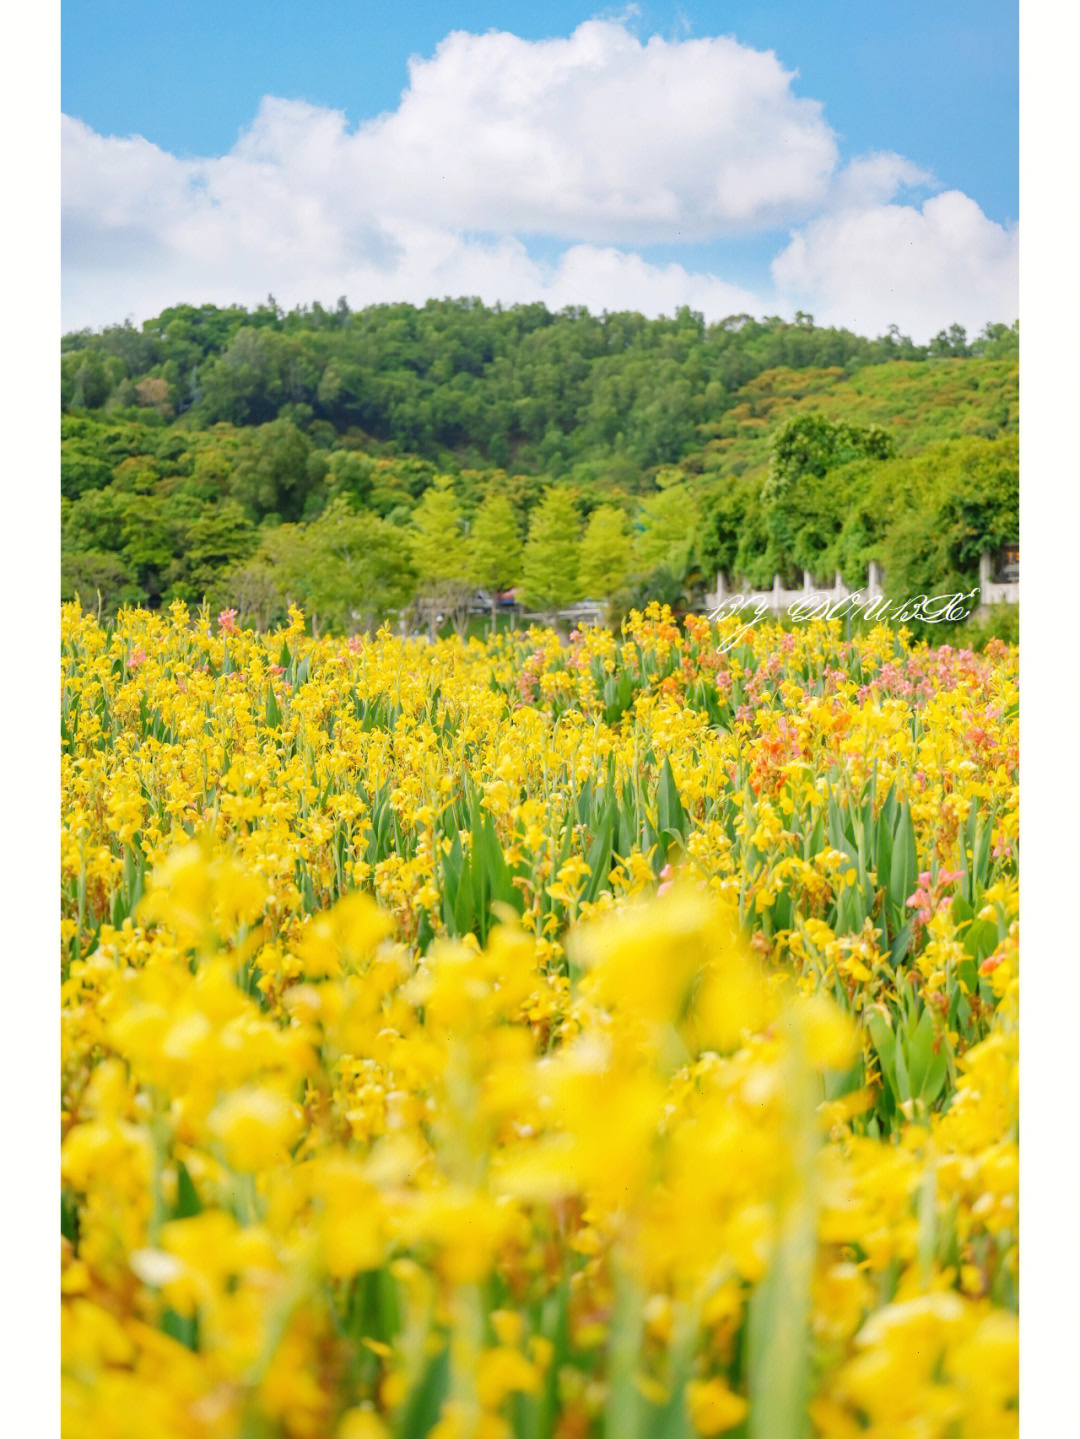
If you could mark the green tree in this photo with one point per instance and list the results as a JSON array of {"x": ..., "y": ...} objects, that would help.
[
  {"x": 812, "y": 444},
  {"x": 668, "y": 525},
  {"x": 208, "y": 546},
  {"x": 96, "y": 578},
  {"x": 440, "y": 556},
  {"x": 606, "y": 557},
  {"x": 363, "y": 567},
  {"x": 805, "y": 502},
  {"x": 97, "y": 520},
  {"x": 950, "y": 342},
  {"x": 271, "y": 471},
  {"x": 725, "y": 507},
  {"x": 254, "y": 589},
  {"x": 950, "y": 505},
  {"x": 288, "y": 554},
  {"x": 81, "y": 472},
  {"x": 495, "y": 549},
  {"x": 344, "y": 569},
  {"x": 350, "y": 474},
  {"x": 246, "y": 384},
  {"x": 91, "y": 383},
  {"x": 549, "y": 579}
]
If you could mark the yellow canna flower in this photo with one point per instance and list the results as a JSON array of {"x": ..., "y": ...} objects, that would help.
[
  {"x": 256, "y": 1127},
  {"x": 713, "y": 1406}
]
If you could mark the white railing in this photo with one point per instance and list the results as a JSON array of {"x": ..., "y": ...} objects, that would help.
[{"x": 778, "y": 600}]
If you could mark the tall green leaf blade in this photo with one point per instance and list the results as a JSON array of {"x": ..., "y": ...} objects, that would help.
[
  {"x": 903, "y": 869},
  {"x": 670, "y": 814},
  {"x": 273, "y": 709}
]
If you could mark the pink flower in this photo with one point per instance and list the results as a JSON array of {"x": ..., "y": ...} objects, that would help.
[
  {"x": 356, "y": 644},
  {"x": 227, "y": 621},
  {"x": 928, "y": 900},
  {"x": 138, "y": 657}
]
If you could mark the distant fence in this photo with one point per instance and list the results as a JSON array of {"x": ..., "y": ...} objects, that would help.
[
  {"x": 778, "y": 600},
  {"x": 587, "y": 612}
]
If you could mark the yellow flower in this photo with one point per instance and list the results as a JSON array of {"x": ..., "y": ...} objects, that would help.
[
  {"x": 502, "y": 1371},
  {"x": 256, "y": 1126},
  {"x": 713, "y": 1406},
  {"x": 361, "y": 1423}
]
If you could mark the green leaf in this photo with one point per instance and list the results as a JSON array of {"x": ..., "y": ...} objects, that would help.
[
  {"x": 887, "y": 812},
  {"x": 69, "y": 1216},
  {"x": 981, "y": 939},
  {"x": 627, "y": 828},
  {"x": 903, "y": 869},
  {"x": 452, "y": 864},
  {"x": 670, "y": 814},
  {"x": 918, "y": 1052},
  {"x": 184, "y": 1329},
  {"x": 814, "y": 843},
  {"x": 840, "y": 836},
  {"x": 187, "y": 1203},
  {"x": 883, "y": 852},
  {"x": 783, "y": 910},
  {"x": 500, "y": 878},
  {"x": 464, "y": 916},
  {"x": 273, "y": 710},
  {"x": 903, "y": 1080},
  {"x": 937, "y": 1072},
  {"x": 884, "y": 1041},
  {"x": 981, "y": 861},
  {"x": 420, "y": 1412},
  {"x": 962, "y": 912},
  {"x": 599, "y": 857},
  {"x": 971, "y": 825},
  {"x": 900, "y": 945}
]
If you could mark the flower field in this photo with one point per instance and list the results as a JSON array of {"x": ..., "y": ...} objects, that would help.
[{"x": 525, "y": 1039}]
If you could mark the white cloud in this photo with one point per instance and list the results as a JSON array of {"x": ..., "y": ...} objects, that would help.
[
  {"x": 232, "y": 231},
  {"x": 598, "y": 140},
  {"x": 874, "y": 180},
  {"x": 922, "y": 268},
  {"x": 615, "y": 280},
  {"x": 600, "y": 137}
]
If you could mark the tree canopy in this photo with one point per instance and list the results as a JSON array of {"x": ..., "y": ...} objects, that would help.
[{"x": 751, "y": 446}]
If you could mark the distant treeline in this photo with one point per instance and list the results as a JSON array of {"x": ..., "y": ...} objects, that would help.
[
  {"x": 518, "y": 388},
  {"x": 208, "y": 451}
]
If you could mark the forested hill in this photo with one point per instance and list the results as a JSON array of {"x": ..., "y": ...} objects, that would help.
[
  {"x": 519, "y": 388},
  {"x": 188, "y": 441}
]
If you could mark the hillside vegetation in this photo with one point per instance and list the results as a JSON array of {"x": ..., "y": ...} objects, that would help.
[{"x": 255, "y": 458}]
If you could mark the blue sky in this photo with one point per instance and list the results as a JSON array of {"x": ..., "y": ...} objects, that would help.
[{"x": 867, "y": 170}]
